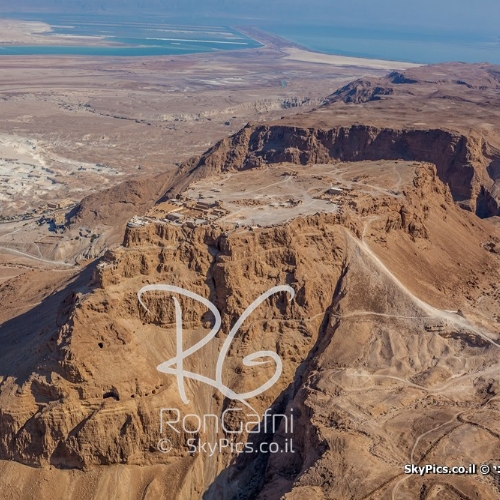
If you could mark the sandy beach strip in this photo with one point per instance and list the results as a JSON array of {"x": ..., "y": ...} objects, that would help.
[
  {"x": 296, "y": 54},
  {"x": 17, "y": 32},
  {"x": 14, "y": 31}
]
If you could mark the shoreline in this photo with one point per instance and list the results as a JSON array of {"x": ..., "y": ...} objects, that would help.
[
  {"x": 296, "y": 52},
  {"x": 18, "y": 33},
  {"x": 21, "y": 33}
]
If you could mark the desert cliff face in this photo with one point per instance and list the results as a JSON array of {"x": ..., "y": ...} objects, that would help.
[
  {"x": 445, "y": 115},
  {"x": 389, "y": 347},
  {"x": 462, "y": 161}
]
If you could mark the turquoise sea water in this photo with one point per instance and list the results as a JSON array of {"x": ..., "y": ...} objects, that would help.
[
  {"x": 424, "y": 46},
  {"x": 161, "y": 35},
  {"x": 123, "y": 37}
]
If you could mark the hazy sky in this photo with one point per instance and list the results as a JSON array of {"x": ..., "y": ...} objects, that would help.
[{"x": 451, "y": 15}]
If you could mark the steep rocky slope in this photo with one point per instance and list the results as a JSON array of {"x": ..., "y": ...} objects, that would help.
[
  {"x": 445, "y": 115},
  {"x": 114, "y": 206},
  {"x": 389, "y": 347},
  {"x": 461, "y": 161},
  {"x": 85, "y": 377}
]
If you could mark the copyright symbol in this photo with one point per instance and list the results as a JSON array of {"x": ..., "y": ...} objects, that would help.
[
  {"x": 164, "y": 445},
  {"x": 484, "y": 469}
]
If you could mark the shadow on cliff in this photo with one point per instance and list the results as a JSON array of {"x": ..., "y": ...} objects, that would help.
[
  {"x": 245, "y": 477},
  {"x": 459, "y": 160},
  {"x": 29, "y": 341}
]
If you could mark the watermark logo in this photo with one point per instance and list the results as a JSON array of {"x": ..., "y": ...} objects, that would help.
[
  {"x": 175, "y": 365},
  {"x": 190, "y": 430},
  {"x": 192, "y": 427}
]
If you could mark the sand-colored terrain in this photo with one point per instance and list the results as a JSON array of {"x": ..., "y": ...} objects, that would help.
[
  {"x": 74, "y": 126},
  {"x": 17, "y": 32},
  {"x": 376, "y": 201},
  {"x": 291, "y": 190},
  {"x": 381, "y": 368},
  {"x": 296, "y": 54},
  {"x": 31, "y": 176},
  {"x": 22, "y": 32}
]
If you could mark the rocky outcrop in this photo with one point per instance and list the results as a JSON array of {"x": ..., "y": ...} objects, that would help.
[
  {"x": 260, "y": 106},
  {"x": 89, "y": 409},
  {"x": 95, "y": 396},
  {"x": 381, "y": 365},
  {"x": 461, "y": 161},
  {"x": 358, "y": 92},
  {"x": 114, "y": 206}
]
